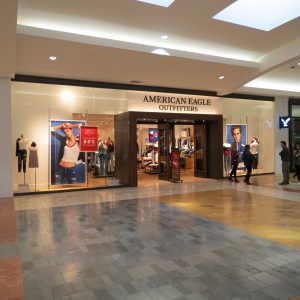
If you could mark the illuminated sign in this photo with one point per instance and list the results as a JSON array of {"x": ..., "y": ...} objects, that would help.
[{"x": 284, "y": 122}]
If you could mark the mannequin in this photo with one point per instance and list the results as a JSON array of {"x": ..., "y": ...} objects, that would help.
[
  {"x": 33, "y": 159},
  {"x": 21, "y": 153},
  {"x": 102, "y": 153},
  {"x": 227, "y": 156},
  {"x": 110, "y": 152},
  {"x": 33, "y": 156},
  {"x": 254, "y": 147}
]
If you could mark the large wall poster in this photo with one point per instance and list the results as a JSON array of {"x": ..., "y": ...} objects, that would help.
[
  {"x": 237, "y": 136},
  {"x": 67, "y": 163}
]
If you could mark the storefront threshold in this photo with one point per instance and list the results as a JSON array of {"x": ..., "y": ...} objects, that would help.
[
  {"x": 252, "y": 175},
  {"x": 67, "y": 190}
]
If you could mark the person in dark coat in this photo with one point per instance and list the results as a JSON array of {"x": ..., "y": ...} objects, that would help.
[
  {"x": 248, "y": 158},
  {"x": 285, "y": 159},
  {"x": 234, "y": 163}
]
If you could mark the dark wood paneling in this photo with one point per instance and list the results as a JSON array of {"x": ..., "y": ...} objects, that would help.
[
  {"x": 126, "y": 149},
  {"x": 214, "y": 135}
]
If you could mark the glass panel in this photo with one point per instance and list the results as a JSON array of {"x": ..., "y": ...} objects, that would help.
[{"x": 34, "y": 106}]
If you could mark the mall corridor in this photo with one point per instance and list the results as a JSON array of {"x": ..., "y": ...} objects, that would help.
[{"x": 200, "y": 239}]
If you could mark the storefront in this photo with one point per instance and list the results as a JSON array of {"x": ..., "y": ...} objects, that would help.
[{"x": 53, "y": 123}]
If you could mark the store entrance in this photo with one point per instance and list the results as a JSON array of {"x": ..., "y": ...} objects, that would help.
[
  {"x": 158, "y": 141},
  {"x": 146, "y": 140}
]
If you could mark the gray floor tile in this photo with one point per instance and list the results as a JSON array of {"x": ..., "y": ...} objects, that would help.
[{"x": 104, "y": 252}]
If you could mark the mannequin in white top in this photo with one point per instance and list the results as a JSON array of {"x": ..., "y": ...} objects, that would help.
[{"x": 254, "y": 147}]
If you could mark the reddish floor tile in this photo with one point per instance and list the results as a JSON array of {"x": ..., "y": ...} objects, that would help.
[
  {"x": 8, "y": 232},
  {"x": 11, "y": 280}
]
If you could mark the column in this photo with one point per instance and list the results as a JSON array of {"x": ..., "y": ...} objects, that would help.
[
  {"x": 281, "y": 110},
  {"x": 6, "y": 179}
]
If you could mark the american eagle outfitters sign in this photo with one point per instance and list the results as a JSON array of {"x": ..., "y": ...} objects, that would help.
[{"x": 172, "y": 103}]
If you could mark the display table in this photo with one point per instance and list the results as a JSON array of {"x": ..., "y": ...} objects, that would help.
[
  {"x": 151, "y": 168},
  {"x": 145, "y": 160}
]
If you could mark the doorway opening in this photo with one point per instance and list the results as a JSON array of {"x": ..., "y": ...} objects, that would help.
[
  {"x": 173, "y": 150},
  {"x": 206, "y": 133}
]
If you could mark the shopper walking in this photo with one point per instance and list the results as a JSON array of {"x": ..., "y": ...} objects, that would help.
[
  {"x": 248, "y": 159},
  {"x": 234, "y": 163},
  {"x": 296, "y": 160},
  {"x": 285, "y": 158}
]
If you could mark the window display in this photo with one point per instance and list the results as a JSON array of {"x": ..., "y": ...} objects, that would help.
[
  {"x": 67, "y": 162},
  {"x": 249, "y": 122},
  {"x": 38, "y": 108}
]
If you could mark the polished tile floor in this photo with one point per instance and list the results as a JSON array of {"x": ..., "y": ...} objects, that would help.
[{"x": 202, "y": 239}]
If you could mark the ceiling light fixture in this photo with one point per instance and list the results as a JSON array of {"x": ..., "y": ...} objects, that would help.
[
  {"x": 160, "y": 52},
  {"x": 298, "y": 63},
  {"x": 163, "y": 3},
  {"x": 260, "y": 14},
  {"x": 164, "y": 37},
  {"x": 221, "y": 77},
  {"x": 52, "y": 57}
]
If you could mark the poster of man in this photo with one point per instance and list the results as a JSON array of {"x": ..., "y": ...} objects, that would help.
[
  {"x": 237, "y": 137},
  {"x": 237, "y": 134},
  {"x": 67, "y": 162}
]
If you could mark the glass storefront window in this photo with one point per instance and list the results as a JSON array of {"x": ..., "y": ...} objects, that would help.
[
  {"x": 48, "y": 121},
  {"x": 46, "y": 126},
  {"x": 249, "y": 122}
]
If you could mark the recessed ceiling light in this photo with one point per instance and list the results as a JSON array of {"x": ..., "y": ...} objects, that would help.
[
  {"x": 164, "y": 37},
  {"x": 160, "y": 52},
  {"x": 164, "y": 3},
  {"x": 260, "y": 14},
  {"x": 298, "y": 63},
  {"x": 52, "y": 57},
  {"x": 221, "y": 77}
]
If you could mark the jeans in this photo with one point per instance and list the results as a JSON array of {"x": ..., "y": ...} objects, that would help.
[
  {"x": 233, "y": 171},
  {"x": 65, "y": 175},
  {"x": 286, "y": 171},
  {"x": 227, "y": 163},
  {"x": 249, "y": 171},
  {"x": 22, "y": 156},
  {"x": 255, "y": 161}
]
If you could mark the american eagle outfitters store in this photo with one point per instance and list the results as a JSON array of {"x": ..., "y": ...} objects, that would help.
[{"x": 70, "y": 137}]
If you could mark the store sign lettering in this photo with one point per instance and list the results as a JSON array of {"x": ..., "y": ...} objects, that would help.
[
  {"x": 177, "y": 104},
  {"x": 173, "y": 103}
]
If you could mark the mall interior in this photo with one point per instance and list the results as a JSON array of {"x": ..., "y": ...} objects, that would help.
[{"x": 122, "y": 124}]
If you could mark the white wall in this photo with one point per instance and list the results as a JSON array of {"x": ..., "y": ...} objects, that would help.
[
  {"x": 281, "y": 109},
  {"x": 6, "y": 178}
]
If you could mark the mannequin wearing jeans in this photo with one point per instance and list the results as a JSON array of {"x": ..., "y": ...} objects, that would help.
[
  {"x": 102, "y": 153},
  {"x": 21, "y": 153}
]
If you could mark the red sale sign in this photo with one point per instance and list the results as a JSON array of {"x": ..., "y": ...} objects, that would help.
[{"x": 88, "y": 139}]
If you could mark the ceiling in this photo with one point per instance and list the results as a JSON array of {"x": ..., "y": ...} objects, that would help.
[{"x": 112, "y": 41}]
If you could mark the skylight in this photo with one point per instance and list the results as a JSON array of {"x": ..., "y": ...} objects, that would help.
[
  {"x": 260, "y": 14},
  {"x": 164, "y": 3}
]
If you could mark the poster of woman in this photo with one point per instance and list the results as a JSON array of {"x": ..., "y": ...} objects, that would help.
[{"x": 67, "y": 162}]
